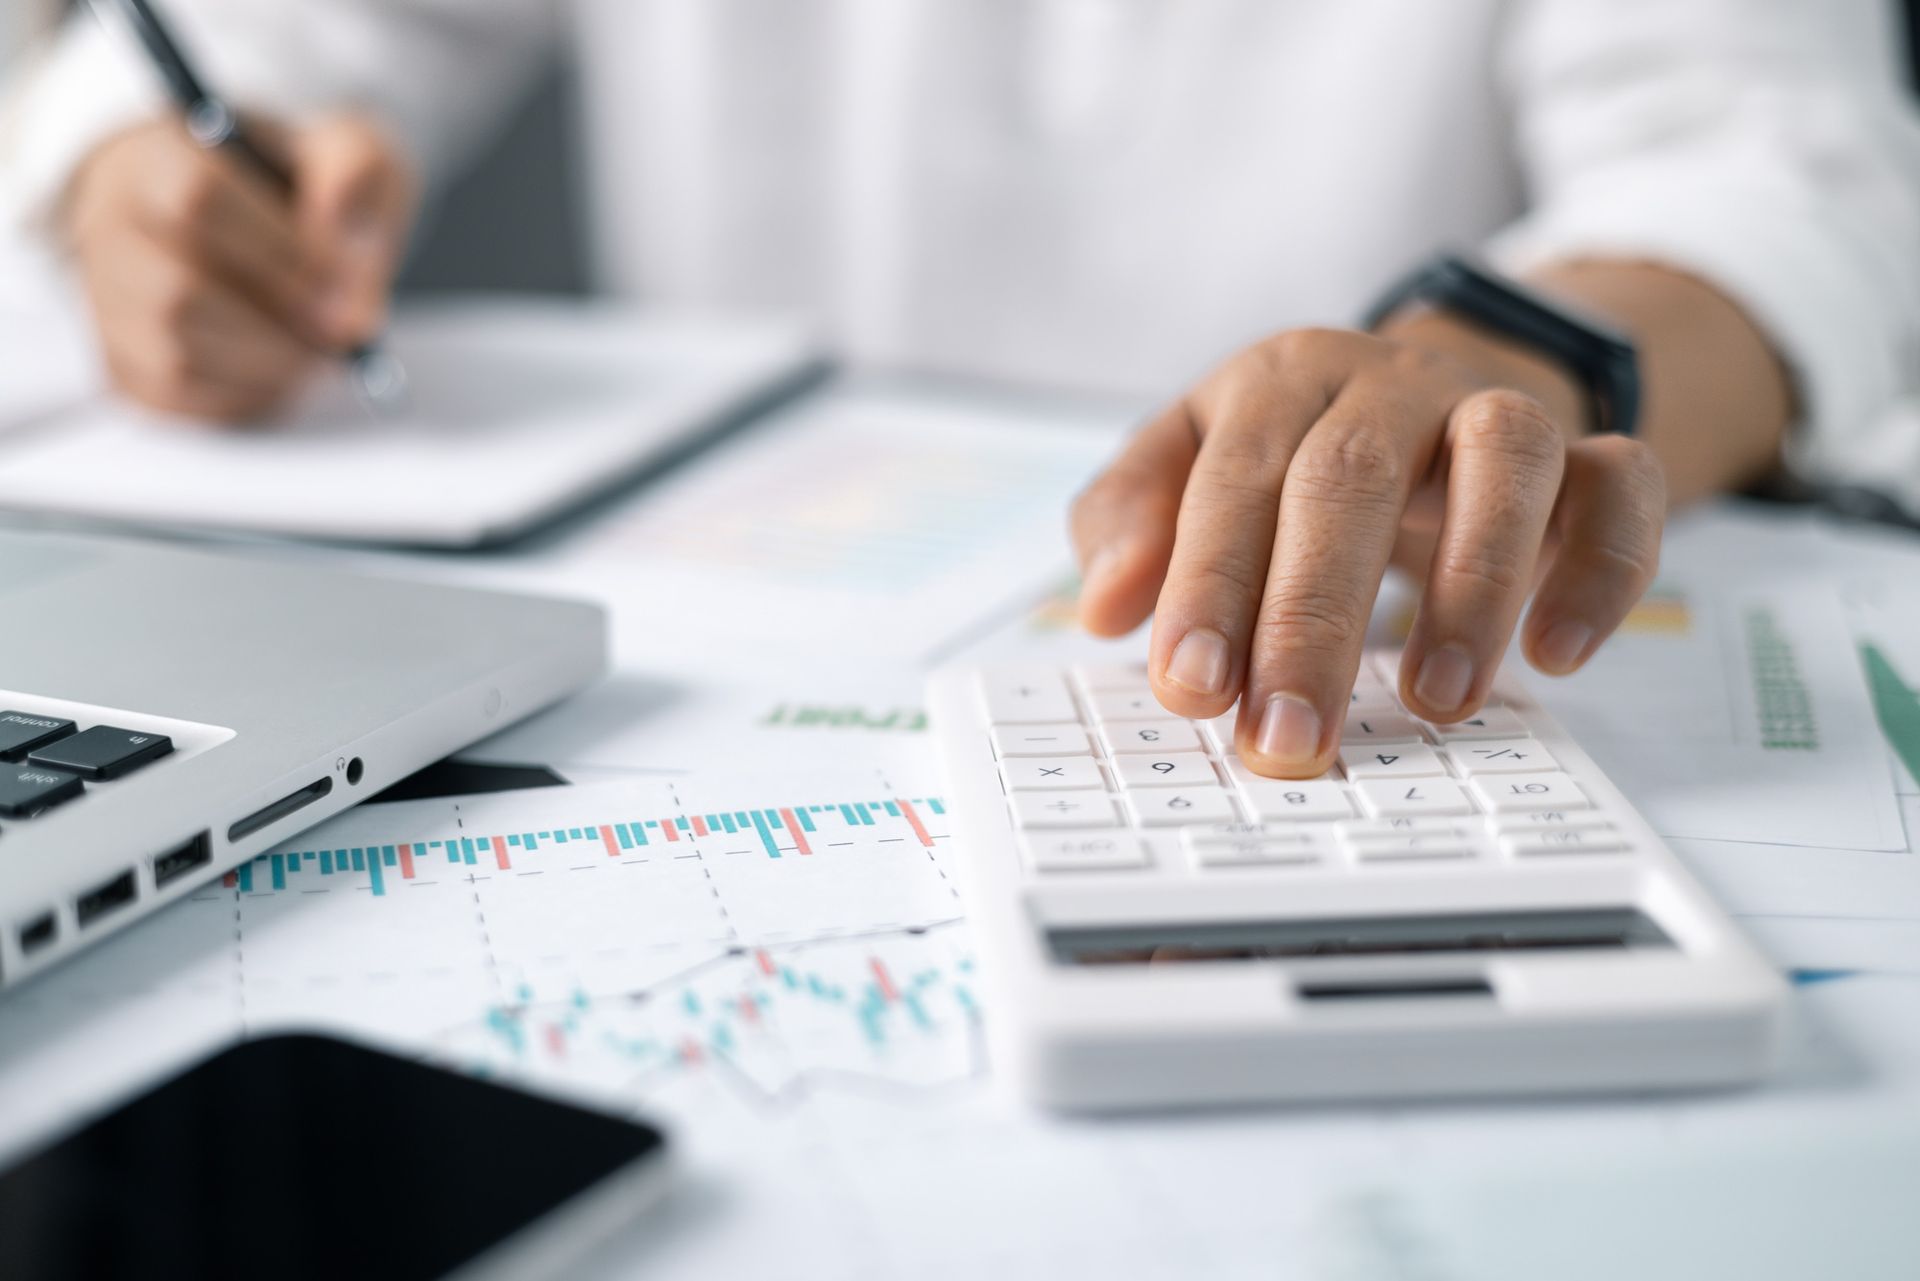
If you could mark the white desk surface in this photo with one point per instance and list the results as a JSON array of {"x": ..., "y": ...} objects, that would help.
[{"x": 734, "y": 690}]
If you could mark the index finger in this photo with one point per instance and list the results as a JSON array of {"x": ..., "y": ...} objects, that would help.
[{"x": 229, "y": 223}]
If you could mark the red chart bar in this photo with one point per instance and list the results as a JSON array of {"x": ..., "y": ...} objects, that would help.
[
  {"x": 793, "y": 830},
  {"x": 699, "y": 826},
  {"x": 666, "y": 825},
  {"x": 765, "y": 961},
  {"x": 690, "y": 1051},
  {"x": 608, "y": 839},
  {"x": 556, "y": 1041},
  {"x": 500, "y": 853},
  {"x": 406, "y": 862},
  {"x": 884, "y": 980},
  {"x": 749, "y": 1010},
  {"x": 913, "y": 820},
  {"x": 230, "y": 880}
]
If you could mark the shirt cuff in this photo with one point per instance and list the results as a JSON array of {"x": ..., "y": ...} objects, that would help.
[
  {"x": 85, "y": 87},
  {"x": 1815, "y": 295}
]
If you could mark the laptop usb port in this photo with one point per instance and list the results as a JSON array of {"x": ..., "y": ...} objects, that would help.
[
  {"x": 104, "y": 898},
  {"x": 37, "y": 933},
  {"x": 181, "y": 860}
]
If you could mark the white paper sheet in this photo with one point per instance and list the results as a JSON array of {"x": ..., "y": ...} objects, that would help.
[
  {"x": 516, "y": 411},
  {"x": 1738, "y": 713},
  {"x": 807, "y": 1026},
  {"x": 873, "y": 522}
]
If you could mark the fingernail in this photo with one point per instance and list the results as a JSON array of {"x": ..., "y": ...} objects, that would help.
[
  {"x": 362, "y": 235},
  {"x": 1289, "y": 730},
  {"x": 332, "y": 310},
  {"x": 1199, "y": 662},
  {"x": 1100, "y": 565},
  {"x": 344, "y": 314},
  {"x": 1562, "y": 645},
  {"x": 1446, "y": 675}
]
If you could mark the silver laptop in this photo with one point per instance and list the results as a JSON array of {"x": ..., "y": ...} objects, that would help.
[{"x": 166, "y": 714}]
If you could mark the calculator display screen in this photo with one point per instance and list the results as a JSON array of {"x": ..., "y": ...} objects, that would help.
[{"x": 1613, "y": 928}]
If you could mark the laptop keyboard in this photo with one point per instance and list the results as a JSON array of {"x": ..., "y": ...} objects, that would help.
[{"x": 47, "y": 760}]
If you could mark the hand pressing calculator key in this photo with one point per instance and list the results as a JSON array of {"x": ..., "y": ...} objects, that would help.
[{"x": 1468, "y": 909}]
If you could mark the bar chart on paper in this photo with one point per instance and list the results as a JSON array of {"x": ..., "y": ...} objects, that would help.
[
  {"x": 778, "y": 832},
  {"x": 618, "y": 939}
]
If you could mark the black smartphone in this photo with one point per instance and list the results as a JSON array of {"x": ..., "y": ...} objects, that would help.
[{"x": 304, "y": 1156}]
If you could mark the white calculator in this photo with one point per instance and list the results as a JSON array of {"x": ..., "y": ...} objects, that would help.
[{"x": 1467, "y": 909}]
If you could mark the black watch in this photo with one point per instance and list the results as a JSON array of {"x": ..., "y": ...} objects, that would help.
[{"x": 1601, "y": 358}]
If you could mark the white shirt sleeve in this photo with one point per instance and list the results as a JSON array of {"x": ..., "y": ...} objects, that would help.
[
  {"x": 1767, "y": 147},
  {"x": 437, "y": 72}
]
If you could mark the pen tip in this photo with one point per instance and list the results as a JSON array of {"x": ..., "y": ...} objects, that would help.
[{"x": 382, "y": 379}]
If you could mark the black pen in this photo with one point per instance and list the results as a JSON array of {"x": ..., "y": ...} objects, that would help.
[{"x": 381, "y": 378}]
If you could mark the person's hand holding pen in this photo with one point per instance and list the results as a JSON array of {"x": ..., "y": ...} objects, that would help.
[{"x": 215, "y": 294}]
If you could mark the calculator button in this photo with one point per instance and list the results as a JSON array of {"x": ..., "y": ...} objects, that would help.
[
  {"x": 21, "y": 732},
  {"x": 1500, "y": 756},
  {"x": 1014, "y": 698},
  {"x": 105, "y": 751},
  {"x": 1128, "y": 678},
  {"x": 1373, "y": 705},
  {"x": 1362, "y": 828},
  {"x": 1549, "y": 820},
  {"x": 1221, "y": 728},
  {"x": 1308, "y": 800},
  {"x": 1127, "y": 705},
  {"x": 1051, "y": 773},
  {"x": 1176, "y": 807},
  {"x": 1041, "y": 740},
  {"x": 1083, "y": 851},
  {"x": 1391, "y": 760},
  {"x": 1392, "y": 797},
  {"x": 25, "y": 790},
  {"x": 1364, "y": 727},
  {"x": 1564, "y": 841},
  {"x": 1492, "y": 722},
  {"x": 1252, "y": 846},
  {"x": 1175, "y": 769},
  {"x": 1241, "y": 772},
  {"x": 1161, "y": 736},
  {"x": 1410, "y": 847},
  {"x": 1064, "y": 809},
  {"x": 1509, "y": 793},
  {"x": 1201, "y": 834},
  {"x": 1386, "y": 665}
]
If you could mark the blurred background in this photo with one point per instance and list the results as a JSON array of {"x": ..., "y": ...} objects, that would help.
[{"x": 513, "y": 220}]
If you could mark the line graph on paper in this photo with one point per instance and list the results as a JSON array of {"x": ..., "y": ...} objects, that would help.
[{"x": 891, "y": 1013}]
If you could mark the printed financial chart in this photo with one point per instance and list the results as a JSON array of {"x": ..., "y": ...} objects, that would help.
[{"x": 611, "y": 939}]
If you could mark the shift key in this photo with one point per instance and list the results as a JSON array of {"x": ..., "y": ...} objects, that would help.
[{"x": 25, "y": 790}]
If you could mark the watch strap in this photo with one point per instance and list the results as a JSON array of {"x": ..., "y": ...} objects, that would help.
[{"x": 1602, "y": 359}]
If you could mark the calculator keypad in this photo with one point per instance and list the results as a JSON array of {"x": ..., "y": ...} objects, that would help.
[{"x": 1099, "y": 777}]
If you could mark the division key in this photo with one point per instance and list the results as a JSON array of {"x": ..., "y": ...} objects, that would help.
[{"x": 105, "y": 751}]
